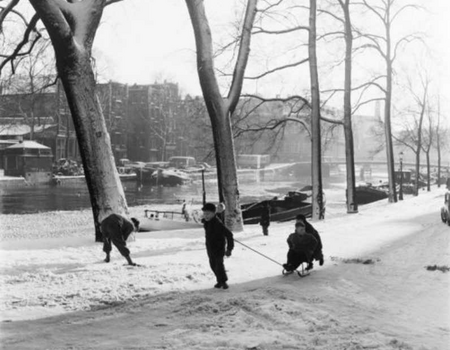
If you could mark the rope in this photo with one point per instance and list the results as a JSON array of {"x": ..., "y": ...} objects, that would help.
[
  {"x": 268, "y": 258},
  {"x": 300, "y": 273}
]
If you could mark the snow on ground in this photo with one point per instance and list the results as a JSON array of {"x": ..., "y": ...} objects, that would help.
[{"x": 392, "y": 302}]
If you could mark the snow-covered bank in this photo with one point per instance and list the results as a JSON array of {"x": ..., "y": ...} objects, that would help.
[{"x": 391, "y": 304}]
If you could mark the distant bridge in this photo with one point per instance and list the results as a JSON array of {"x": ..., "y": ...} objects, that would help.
[{"x": 366, "y": 161}]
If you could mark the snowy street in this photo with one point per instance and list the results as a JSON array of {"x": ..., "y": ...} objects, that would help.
[{"x": 374, "y": 291}]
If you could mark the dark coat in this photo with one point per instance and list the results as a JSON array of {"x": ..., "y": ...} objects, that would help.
[
  {"x": 116, "y": 226},
  {"x": 312, "y": 231},
  {"x": 305, "y": 243},
  {"x": 218, "y": 237}
]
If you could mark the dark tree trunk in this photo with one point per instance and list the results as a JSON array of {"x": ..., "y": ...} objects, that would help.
[
  {"x": 416, "y": 185},
  {"x": 352, "y": 206},
  {"x": 388, "y": 132},
  {"x": 318, "y": 209},
  {"x": 438, "y": 146},
  {"x": 428, "y": 171},
  {"x": 67, "y": 141},
  {"x": 423, "y": 104}
]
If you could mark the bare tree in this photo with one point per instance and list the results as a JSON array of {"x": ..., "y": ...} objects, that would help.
[
  {"x": 72, "y": 26},
  {"x": 387, "y": 13},
  {"x": 318, "y": 208},
  {"x": 427, "y": 144},
  {"x": 346, "y": 22},
  {"x": 412, "y": 135},
  {"x": 220, "y": 109},
  {"x": 26, "y": 93}
]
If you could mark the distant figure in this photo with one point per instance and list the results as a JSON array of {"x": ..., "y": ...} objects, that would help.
[
  {"x": 265, "y": 218},
  {"x": 184, "y": 211},
  {"x": 448, "y": 183},
  {"x": 301, "y": 248},
  {"x": 318, "y": 254},
  {"x": 116, "y": 229},
  {"x": 219, "y": 243},
  {"x": 361, "y": 173}
]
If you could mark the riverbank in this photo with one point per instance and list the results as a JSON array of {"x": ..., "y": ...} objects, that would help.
[
  {"x": 373, "y": 291},
  {"x": 79, "y": 223}
]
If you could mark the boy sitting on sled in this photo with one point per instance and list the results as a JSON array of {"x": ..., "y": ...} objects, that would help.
[{"x": 301, "y": 247}]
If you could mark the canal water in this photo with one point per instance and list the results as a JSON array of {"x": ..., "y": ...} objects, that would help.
[{"x": 32, "y": 199}]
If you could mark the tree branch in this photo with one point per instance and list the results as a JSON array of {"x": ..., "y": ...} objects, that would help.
[
  {"x": 26, "y": 38},
  {"x": 5, "y": 11},
  {"x": 242, "y": 59},
  {"x": 278, "y": 99},
  {"x": 295, "y": 64},
  {"x": 366, "y": 102},
  {"x": 281, "y": 31}
]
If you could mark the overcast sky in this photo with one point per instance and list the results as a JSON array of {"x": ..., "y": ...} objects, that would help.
[{"x": 141, "y": 41}]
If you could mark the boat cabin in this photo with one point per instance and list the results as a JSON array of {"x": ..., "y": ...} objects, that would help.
[
  {"x": 406, "y": 176},
  {"x": 181, "y": 162},
  {"x": 29, "y": 159}
]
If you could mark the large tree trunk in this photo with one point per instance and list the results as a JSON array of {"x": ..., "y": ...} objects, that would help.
[
  {"x": 105, "y": 189},
  {"x": 419, "y": 140},
  {"x": 352, "y": 206},
  {"x": 387, "y": 111},
  {"x": 219, "y": 108},
  {"x": 388, "y": 135},
  {"x": 229, "y": 185},
  {"x": 72, "y": 28},
  {"x": 318, "y": 210}
]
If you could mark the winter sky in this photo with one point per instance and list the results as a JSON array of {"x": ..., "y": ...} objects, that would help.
[{"x": 142, "y": 41}]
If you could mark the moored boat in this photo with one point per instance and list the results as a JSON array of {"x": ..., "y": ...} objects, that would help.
[
  {"x": 366, "y": 194},
  {"x": 156, "y": 220},
  {"x": 286, "y": 209}
]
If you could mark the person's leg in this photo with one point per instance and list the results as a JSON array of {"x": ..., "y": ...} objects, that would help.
[
  {"x": 292, "y": 263},
  {"x": 265, "y": 230},
  {"x": 296, "y": 259},
  {"x": 107, "y": 248},
  {"x": 219, "y": 270},
  {"x": 121, "y": 245}
]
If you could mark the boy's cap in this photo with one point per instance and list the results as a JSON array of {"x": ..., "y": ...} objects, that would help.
[
  {"x": 209, "y": 207},
  {"x": 300, "y": 223}
]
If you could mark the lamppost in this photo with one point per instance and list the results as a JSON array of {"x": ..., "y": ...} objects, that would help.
[{"x": 400, "y": 196}]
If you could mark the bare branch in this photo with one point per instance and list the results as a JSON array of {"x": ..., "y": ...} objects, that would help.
[
  {"x": 242, "y": 59},
  {"x": 26, "y": 38},
  {"x": 331, "y": 121},
  {"x": 281, "y": 31},
  {"x": 295, "y": 64},
  {"x": 407, "y": 39},
  {"x": 277, "y": 99},
  {"x": 5, "y": 11},
  {"x": 401, "y": 9},
  {"x": 366, "y": 102},
  {"x": 332, "y": 15},
  {"x": 373, "y": 9}
]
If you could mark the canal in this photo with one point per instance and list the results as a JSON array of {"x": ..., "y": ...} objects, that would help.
[{"x": 43, "y": 198}]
